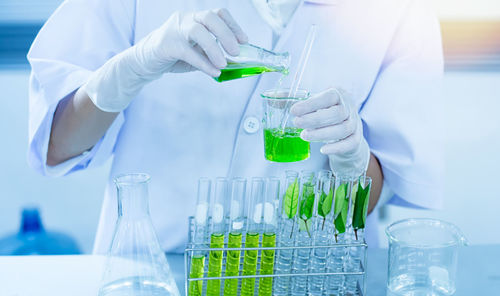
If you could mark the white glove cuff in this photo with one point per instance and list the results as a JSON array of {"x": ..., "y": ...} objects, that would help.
[{"x": 353, "y": 165}]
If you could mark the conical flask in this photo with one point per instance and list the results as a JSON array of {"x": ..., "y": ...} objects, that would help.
[{"x": 135, "y": 265}]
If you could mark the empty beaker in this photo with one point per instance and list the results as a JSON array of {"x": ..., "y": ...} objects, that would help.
[
  {"x": 423, "y": 255},
  {"x": 282, "y": 142},
  {"x": 253, "y": 60},
  {"x": 136, "y": 264}
]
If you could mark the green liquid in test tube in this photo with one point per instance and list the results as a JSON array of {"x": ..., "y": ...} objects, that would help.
[
  {"x": 270, "y": 215},
  {"x": 199, "y": 237},
  {"x": 197, "y": 266},
  {"x": 254, "y": 225},
  {"x": 236, "y": 223},
  {"x": 215, "y": 257}
]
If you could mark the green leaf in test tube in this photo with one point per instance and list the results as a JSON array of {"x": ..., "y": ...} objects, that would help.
[
  {"x": 360, "y": 208},
  {"x": 291, "y": 200},
  {"x": 340, "y": 209}
]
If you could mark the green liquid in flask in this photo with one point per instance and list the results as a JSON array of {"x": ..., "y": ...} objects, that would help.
[
  {"x": 250, "y": 264},
  {"x": 215, "y": 264},
  {"x": 232, "y": 264},
  {"x": 238, "y": 70},
  {"x": 267, "y": 264},
  {"x": 286, "y": 146},
  {"x": 197, "y": 267}
]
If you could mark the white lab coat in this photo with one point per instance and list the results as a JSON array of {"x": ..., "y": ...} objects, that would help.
[{"x": 185, "y": 126}]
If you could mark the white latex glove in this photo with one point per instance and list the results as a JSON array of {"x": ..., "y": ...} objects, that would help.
[
  {"x": 185, "y": 42},
  {"x": 329, "y": 117}
]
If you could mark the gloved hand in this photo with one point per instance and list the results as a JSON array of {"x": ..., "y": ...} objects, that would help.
[
  {"x": 330, "y": 117},
  {"x": 185, "y": 42}
]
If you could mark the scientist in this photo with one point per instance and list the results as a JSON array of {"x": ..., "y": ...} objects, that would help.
[{"x": 133, "y": 80}]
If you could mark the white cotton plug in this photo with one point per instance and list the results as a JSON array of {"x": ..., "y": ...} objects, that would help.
[
  {"x": 201, "y": 213},
  {"x": 257, "y": 214},
  {"x": 217, "y": 213},
  {"x": 268, "y": 213},
  {"x": 237, "y": 225},
  {"x": 235, "y": 210}
]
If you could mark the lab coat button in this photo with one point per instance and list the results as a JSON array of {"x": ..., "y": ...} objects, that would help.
[{"x": 251, "y": 124}]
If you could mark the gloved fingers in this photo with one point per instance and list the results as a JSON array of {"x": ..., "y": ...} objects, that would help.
[
  {"x": 322, "y": 117},
  {"x": 331, "y": 133},
  {"x": 220, "y": 30},
  {"x": 198, "y": 60},
  {"x": 233, "y": 25},
  {"x": 343, "y": 147},
  {"x": 181, "y": 66},
  {"x": 322, "y": 100},
  {"x": 202, "y": 37}
]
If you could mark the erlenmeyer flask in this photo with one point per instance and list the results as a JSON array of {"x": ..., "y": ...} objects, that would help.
[{"x": 136, "y": 265}]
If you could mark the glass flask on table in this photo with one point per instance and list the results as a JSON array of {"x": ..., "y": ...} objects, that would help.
[{"x": 136, "y": 265}]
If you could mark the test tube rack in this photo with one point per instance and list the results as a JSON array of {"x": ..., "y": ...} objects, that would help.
[{"x": 358, "y": 273}]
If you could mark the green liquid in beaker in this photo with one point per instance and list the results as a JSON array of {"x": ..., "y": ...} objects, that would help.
[
  {"x": 267, "y": 264},
  {"x": 250, "y": 264},
  {"x": 215, "y": 264},
  {"x": 237, "y": 70},
  {"x": 197, "y": 266},
  {"x": 232, "y": 264},
  {"x": 286, "y": 146}
]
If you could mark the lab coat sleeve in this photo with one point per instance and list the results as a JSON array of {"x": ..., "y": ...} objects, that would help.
[
  {"x": 77, "y": 39},
  {"x": 403, "y": 115}
]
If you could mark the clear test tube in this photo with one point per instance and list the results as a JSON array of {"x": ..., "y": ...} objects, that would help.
[
  {"x": 341, "y": 212},
  {"x": 359, "y": 209},
  {"x": 337, "y": 257},
  {"x": 323, "y": 231},
  {"x": 236, "y": 204},
  {"x": 199, "y": 237},
  {"x": 270, "y": 215},
  {"x": 306, "y": 206},
  {"x": 304, "y": 238},
  {"x": 217, "y": 214},
  {"x": 201, "y": 214},
  {"x": 287, "y": 230},
  {"x": 252, "y": 237}
]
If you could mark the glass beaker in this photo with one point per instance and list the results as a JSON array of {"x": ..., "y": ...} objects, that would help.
[
  {"x": 282, "y": 142},
  {"x": 253, "y": 60},
  {"x": 136, "y": 264},
  {"x": 423, "y": 255}
]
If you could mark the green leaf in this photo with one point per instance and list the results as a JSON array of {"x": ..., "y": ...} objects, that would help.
[
  {"x": 321, "y": 201},
  {"x": 291, "y": 200},
  {"x": 340, "y": 195},
  {"x": 360, "y": 207},
  {"x": 326, "y": 206},
  {"x": 341, "y": 208},
  {"x": 307, "y": 202}
]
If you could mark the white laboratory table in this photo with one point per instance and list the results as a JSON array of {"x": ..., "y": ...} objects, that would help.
[{"x": 478, "y": 273}]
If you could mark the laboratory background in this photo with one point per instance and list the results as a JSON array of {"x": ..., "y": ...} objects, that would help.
[
  {"x": 72, "y": 204},
  {"x": 471, "y": 38}
]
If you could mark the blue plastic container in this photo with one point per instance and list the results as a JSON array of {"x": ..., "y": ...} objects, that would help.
[{"x": 32, "y": 239}]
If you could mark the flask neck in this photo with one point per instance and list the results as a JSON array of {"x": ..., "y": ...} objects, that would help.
[
  {"x": 251, "y": 54},
  {"x": 133, "y": 196},
  {"x": 31, "y": 221}
]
